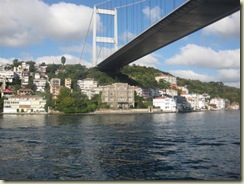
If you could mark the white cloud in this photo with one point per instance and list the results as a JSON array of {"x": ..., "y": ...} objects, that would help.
[
  {"x": 226, "y": 28},
  {"x": 230, "y": 77},
  {"x": 148, "y": 60},
  {"x": 127, "y": 36},
  {"x": 194, "y": 55},
  {"x": 57, "y": 60},
  {"x": 50, "y": 60},
  {"x": 25, "y": 22},
  {"x": 77, "y": 48},
  {"x": 189, "y": 74},
  {"x": 152, "y": 14},
  {"x": 5, "y": 61},
  {"x": 68, "y": 21}
]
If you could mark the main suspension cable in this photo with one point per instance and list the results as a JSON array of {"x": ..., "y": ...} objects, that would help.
[{"x": 86, "y": 36}]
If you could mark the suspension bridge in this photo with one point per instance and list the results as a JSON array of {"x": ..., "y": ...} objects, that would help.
[{"x": 168, "y": 21}]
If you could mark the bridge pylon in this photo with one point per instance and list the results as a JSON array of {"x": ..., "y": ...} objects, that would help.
[{"x": 96, "y": 39}]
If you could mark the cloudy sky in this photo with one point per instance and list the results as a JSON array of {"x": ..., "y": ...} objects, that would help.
[{"x": 45, "y": 30}]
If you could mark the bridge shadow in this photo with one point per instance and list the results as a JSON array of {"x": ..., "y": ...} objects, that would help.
[{"x": 114, "y": 77}]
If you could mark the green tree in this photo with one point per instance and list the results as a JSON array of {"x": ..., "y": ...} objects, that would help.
[
  {"x": 32, "y": 66},
  {"x": 16, "y": 63},
  {"x": 63, "y": 60},
  {"x": 162, "y": 84}
]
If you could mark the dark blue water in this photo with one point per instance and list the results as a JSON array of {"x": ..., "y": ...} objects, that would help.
[{"x": 189, "y": 146}]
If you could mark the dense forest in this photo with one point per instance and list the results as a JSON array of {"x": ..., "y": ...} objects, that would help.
[{"x": 73, "y": 101}]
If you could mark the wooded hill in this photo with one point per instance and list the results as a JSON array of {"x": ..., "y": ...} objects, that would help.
[{"x": 144, "y": 77}]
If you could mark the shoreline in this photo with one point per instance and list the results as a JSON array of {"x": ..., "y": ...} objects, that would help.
[{"x": 113, "y": 112}]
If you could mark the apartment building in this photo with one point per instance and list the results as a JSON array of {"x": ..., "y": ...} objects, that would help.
[
  {"x": 7, "y": 75},
  {"x": 197, "y": 101},
  {"x": 218, "y": 102},
  {"x": 165, "y": 103},
  {"x": 55, "y": 86},
  {"x": 25, "y": 78},
  {"x": 118, "y": 95},
  {"x": 89, "y": 87},
  {"x": 24, "y": 104},
  {"x": 67, "y": 83}
]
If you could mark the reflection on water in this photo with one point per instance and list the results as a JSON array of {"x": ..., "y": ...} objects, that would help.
[
  {"x": 202, "y": 146},
  {"x": 15, "y": 121}
]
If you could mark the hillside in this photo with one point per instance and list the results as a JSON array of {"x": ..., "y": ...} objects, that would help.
[
  {"x": 145, "y": 77},
  {"x": 138, "y": 76},
  {"x": 214, "y": 89}
]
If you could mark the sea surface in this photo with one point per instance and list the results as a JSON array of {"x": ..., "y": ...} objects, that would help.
[{"x": 174, "y": 146}]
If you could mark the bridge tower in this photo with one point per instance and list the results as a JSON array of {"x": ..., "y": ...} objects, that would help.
[{"x": 96, "y": 39}]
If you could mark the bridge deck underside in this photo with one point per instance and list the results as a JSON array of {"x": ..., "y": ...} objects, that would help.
[{"x": 190, "y": 17}]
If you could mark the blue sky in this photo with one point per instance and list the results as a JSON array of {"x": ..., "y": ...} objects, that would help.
[{"x": 43, "y": 31}]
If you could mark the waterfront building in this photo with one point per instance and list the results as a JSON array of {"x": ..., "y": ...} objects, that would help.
[
  {"x": 55, "y": 86},
  {"x": 24, "y": 104},
  {"x": 196, "y": 101},
  {"x": 89, "y": 87},
  {"x": 219, "y": 102},
  {"x": 118, "y": 95},
  {"x": 165, "y": 103},
  {"x": 234, "y": 106},
  {"x": 227, "y": 103},
  {"x": 182, "y": 104},
  {"x": 167, "y": 77}
]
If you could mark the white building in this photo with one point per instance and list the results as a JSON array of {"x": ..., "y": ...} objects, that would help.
[
  {"x": 167, "y": 77},
  {"x": 89, "y": 87},
  {"x": 25, "y": 78},
  {"x": 24, "y": 104},
  {"x": 39, "y": 82},
  {"x": 197, "y": 101},
  {"x": 166, "y": 104},
  {"x": 219, "y": 102},
  {"x": 67, "y": 83},
  {"x": 8, "y": 75}
]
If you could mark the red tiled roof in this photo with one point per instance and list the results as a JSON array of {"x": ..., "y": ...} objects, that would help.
[{"x": 8, "y": 91}]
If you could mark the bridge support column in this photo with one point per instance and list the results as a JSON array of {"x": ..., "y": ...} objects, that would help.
[{"x": 112, "y": 40}]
